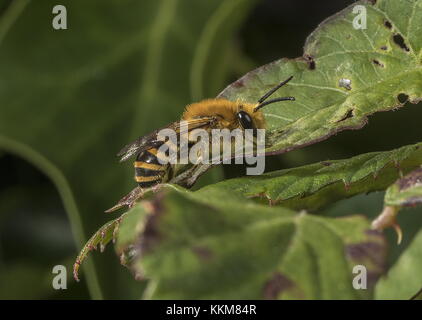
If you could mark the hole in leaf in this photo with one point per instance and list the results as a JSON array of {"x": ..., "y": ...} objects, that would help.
[
  {"x": 348, "y": 115},
  {"x": 345, "y": 83},
  {"x": 398, "y": 39},
  {"x": 377, "y": 63},
  {"x": 403, "y": 98},
  {"x": 384, "y": 48},
  {"x": 388, "y": 24},
  {"x": 311, "y": 62}
]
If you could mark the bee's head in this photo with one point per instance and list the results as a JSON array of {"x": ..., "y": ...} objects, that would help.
[
  {"x": 250, "y": 117},
  {"x": 245, "y": 120}
]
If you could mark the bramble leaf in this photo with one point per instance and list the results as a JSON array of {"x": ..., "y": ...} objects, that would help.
[
  {"x": 189, "y": 248},
  {"x": 313, "y": 186},
  {"x": 99, "y": 239},
  {"x": 345, "y": 74}
]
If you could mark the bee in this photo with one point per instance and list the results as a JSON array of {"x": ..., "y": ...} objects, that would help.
[{"x": 207, "y": 114}]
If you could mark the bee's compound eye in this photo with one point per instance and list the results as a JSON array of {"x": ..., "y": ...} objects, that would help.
[{"x": 245, "y": 120}]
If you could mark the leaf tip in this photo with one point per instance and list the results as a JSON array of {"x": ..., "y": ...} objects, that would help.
[{"x": 76, "y": 270}]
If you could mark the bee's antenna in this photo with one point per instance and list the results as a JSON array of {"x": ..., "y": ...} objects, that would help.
[
  {"x": 272, "y": 101},
  {"x": 261, "y": 102},
  {"x": 265, "y": 96}
]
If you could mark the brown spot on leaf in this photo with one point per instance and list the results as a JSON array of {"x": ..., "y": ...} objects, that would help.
[
  {"x": 410, "y": 180},
  {"x": 326, "y": 163},
  {"x": 203, "y": 253},
  {"x": 151, "y": 235},
  {"x": 362, "y": 250},
  {"x": 388, "y": 24},
  {"x": 239, "y": 83},
  {"x": 276, "y": 285},
  {"x": 372, "y": 232},
  {"x": 399, "y": 40},
  {"x": 384, "y": 48},
  {"x": 378, "y": 63},
  {"x": 371, "y": 254}
]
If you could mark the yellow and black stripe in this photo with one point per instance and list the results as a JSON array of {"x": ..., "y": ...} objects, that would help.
[{"x": 148, "y": 170}]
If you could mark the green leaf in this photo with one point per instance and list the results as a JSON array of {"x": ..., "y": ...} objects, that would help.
[
  {"x": 378, "y": 67},
  {"x": 404, "y": 279},
  {"x": 121, "y": 69},
  {"x": 406, "y": 192},
  {"x": 100, "y": 238},
  {"x": 314, "y": 186},
  {"x": 192, "y": 249}
]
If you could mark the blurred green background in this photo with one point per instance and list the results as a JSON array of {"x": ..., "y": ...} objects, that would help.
[{"x": 69, "y": 99}]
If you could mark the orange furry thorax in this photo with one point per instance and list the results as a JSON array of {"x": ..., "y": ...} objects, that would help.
[{"x": 225, "y": 110}]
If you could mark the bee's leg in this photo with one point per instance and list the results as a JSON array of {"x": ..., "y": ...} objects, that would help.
[
  {"x": 199, "y": 170},
  {"x": 189, "y": 177},
  {"x": 181, "y": 178},
  {"x": 129, "y": 200},
  {"x": 157, "y": 187}
]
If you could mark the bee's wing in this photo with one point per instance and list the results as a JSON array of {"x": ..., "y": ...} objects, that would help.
[
  {"x": 141, "y": 144},
  {"x": 150, "y": 140}
]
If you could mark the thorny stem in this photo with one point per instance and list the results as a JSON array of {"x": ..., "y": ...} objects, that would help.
[{"x": 387, "y": 219}]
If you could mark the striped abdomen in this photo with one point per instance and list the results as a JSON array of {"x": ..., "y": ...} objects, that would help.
[{"x": 148, "y": 170}]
